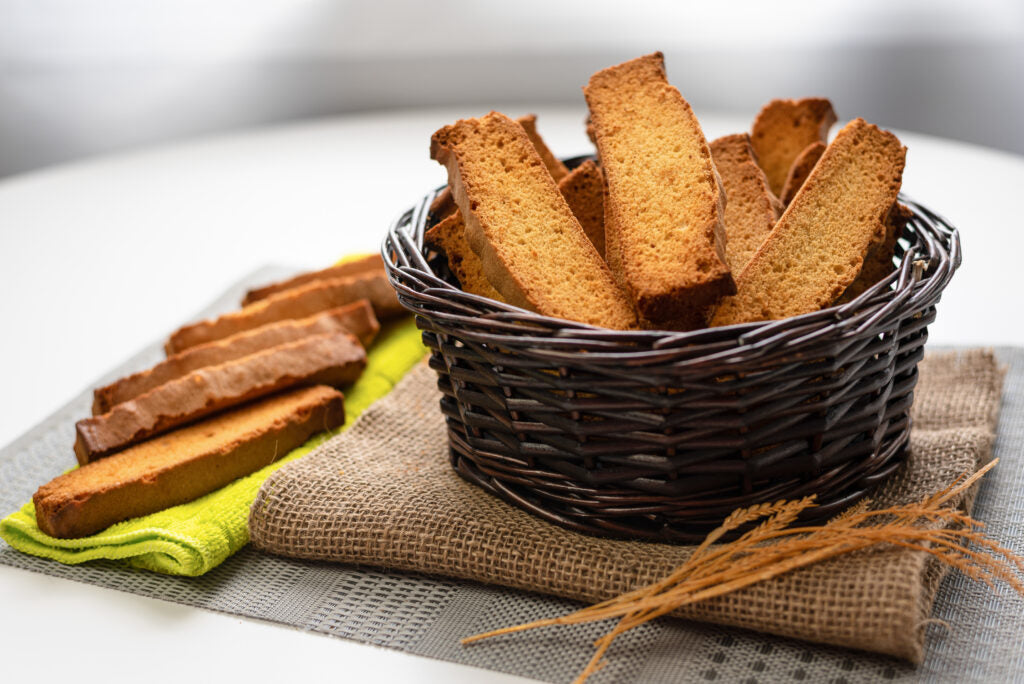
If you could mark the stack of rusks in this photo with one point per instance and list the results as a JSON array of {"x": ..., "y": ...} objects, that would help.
[
  {"x": 666, "y": 231},
  {"x": 234, "y": 394}
]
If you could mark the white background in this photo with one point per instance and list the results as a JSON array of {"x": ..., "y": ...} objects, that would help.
[
  {"x": 98, "y": 258},
  {"x": 81, "y": 78}
]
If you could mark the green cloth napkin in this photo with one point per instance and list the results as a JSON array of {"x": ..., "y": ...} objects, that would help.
[{"x": 196, "y": 537}]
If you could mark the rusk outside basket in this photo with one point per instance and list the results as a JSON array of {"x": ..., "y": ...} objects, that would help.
[{"x": 659, "y": 435}]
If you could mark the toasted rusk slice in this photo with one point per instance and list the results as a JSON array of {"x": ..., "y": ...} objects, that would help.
[
  {"x": 356, "y": 318},
  {"x": 331, "y": 359},
  {"x": 783, "y": 129},
  {"x": 553, "y": 164},
  {"x": 818, "y": 247},
  {"x": 443, "y": 205},
  {"x": 184, "y": 464},
  {"x": 583, "y": 189},
  {"x": 664, "y": 229},
  {"x": 369, "y": 264},
  {"x": 299, "y": 302},
  {"x": 532, "y": 248},
  {"x": 879, "y": 261},
  {"x": 800, "y": 170},
  {"x": 449, "y": 236},
  {"x": 750, "y": 208}
]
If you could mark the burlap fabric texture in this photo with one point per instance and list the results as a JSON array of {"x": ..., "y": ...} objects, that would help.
[{"x": 383, "y": 494}]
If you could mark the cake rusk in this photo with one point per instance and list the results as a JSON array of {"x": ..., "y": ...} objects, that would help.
[
  {"x": 356, "y": 318},
  {"x": 184, "y": 464},
  {"x": 800, "y": 170},
  {"x": 330, "y": 359},
  {"x": 664, "y": 213},
  {"x": 553, "y": 164},
  {"x": 449, "y": 237},
  {"x": 371, "y": 263},
  {"x": 299, "y": 302},
  {"x": 879, "y": 261},
  {"x": 818, "y": 247},
  {"x": 444, "y": 206},
  {"x": 532, "y": 248},
  {"x": 750, "y": 208},
  {"x": 783, "y": 129},
  {"x": 583, "y": 190}
]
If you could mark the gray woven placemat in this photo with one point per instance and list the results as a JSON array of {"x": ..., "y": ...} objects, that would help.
[{"x": 981, "y": 639}]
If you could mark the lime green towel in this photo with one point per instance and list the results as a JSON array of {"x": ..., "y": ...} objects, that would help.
[{"x": 195, "y": 537}]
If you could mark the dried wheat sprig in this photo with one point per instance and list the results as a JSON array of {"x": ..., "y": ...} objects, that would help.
[
  {"x": 778, "y": 514},
  {"x": 779, "y": 560},
  {"x": 716, "y": 586},
  {"x": 736, "y": 519},
  {"x": 771, "y": 549},
  {"x": 779, "y": 552}
]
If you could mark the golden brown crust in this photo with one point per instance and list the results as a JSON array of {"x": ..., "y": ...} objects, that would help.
[
  {"x": 750, "y": 209},
  {"x": 532, "y": 249},
  {"x": 369, "y": 264},
  {"x": 783, "y": 129},
  {"x": 444, "y": 205},
  {"x": 185, "y": 464},
  {"x": 664, "y": 211},
  {"x": 331, "y": 359},
  {"x": 300, "y": 302},
  {"x": 879, "y": 261},
  {"x": 818, "y": 246},
  {"x": 449, "y": 237},
  {"x": 553, "y": 164},
  {"x": 583, "y": 189},
  {"x": 800, "y": 170},
  {"x": 356, "y": 318}
]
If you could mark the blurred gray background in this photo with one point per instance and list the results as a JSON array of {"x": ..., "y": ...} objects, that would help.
[{"x": 84, "y": 78}]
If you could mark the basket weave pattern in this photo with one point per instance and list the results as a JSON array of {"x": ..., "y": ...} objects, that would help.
[{"x": 659, "y": 435}]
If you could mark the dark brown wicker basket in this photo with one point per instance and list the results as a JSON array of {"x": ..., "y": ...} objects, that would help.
[{"x": 660, "y": 435}]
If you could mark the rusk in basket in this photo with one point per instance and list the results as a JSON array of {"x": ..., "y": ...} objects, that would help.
[{"x": 660, "y": 435}]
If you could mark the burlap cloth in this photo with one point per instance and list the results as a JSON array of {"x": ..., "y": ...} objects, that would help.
[{"x": 383, "y": 494}]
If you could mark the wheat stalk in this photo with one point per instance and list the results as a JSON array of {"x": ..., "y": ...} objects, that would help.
[{"x": 773, "y": 548}]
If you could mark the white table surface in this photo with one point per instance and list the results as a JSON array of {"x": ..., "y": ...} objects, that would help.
[{"x": 100, "y": 258}]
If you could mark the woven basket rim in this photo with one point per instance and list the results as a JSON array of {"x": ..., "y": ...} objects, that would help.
[{"x": 926, "y": 266}]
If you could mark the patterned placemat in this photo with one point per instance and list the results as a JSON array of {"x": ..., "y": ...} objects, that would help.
[{"x": 976, "y": 634}]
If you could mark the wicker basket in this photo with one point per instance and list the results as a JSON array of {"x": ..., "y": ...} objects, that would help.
[{"x": 660, "y": 435}]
